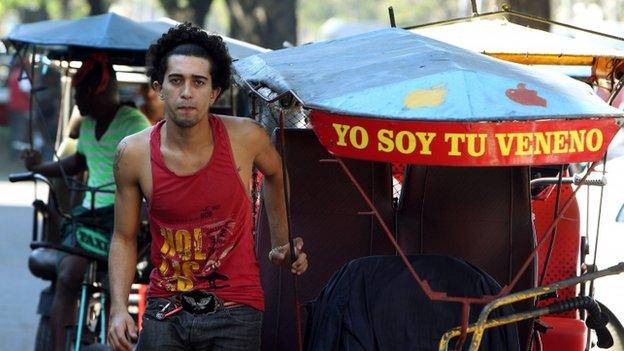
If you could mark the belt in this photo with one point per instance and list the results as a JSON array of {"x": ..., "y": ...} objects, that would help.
[{"x": 194, "y": 302}]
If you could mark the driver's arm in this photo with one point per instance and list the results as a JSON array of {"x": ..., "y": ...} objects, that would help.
[
  {"x": 122, "y": 257},
  {"x": 71, "y": 165}
]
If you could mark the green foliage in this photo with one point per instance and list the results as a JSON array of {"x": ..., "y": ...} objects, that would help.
[
  {"x": 74, "y": 8},
  {"x": 8, "y": 5},
  {"x": 218, "y": 17},
  {"x": 47, "y": 9},
  {"x": 313, "y": 13}
]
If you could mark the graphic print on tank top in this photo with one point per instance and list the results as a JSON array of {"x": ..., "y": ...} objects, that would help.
[
  {"x": 189, "y": 255},
  {"x": 201, "y": 227}
]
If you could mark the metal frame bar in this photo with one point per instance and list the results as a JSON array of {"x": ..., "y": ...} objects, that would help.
[
  {"x": 293, "y": 254},
  {"x": 507, "y": 11},
  {"x": 392, "y": 18},
  {"x": 483, "y": 323},
  {"x": 473, "y": 5},
  {"x": 103, "y": 317},
  {"x": 616, "y": 91}
]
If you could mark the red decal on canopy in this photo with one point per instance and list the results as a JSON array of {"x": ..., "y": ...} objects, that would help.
[
  {"x": 465, "y": 144},
  {"x": 526, "y": 97}
]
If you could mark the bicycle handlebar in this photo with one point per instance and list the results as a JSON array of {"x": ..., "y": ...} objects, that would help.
[
  {"x": 21, "y": 177},
  {"x": 32, "y": 176},
  {"x": 576, "y": 180}
]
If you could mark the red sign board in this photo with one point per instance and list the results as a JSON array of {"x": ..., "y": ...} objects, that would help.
[{"x": 465, "y": 144}]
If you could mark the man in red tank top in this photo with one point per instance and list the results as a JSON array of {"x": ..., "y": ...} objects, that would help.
[{"x": 194, "y": 170}]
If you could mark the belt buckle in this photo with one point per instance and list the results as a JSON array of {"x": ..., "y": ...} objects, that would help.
[{"x": 200, "y": 302}]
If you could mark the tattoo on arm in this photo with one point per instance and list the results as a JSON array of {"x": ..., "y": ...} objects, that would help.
[{"x": 119, "y": 155}]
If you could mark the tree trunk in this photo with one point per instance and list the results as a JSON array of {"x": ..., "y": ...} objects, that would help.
[
  {"x": 28, "y": 15},
  {"x": 199, "y": 9},
  {"x": 267, "y": 23},
  {"x": 98, "y": 7},
  {"x": 194, "y": 12},
  {"x": 539, "y": 8},
  {"x": 171, "y": 8},
  {"x": 65, "y": 10}
]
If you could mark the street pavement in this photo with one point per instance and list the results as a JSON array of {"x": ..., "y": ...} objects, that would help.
[{"x": 19, "y": 294}]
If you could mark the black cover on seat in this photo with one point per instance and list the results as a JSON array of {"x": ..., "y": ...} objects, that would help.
[
  {"x": 374, "y": 303},
  {"x": 325, "y": 210}
]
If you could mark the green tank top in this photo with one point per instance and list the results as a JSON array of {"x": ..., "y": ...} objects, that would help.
[{"x": 100, "y": 154}]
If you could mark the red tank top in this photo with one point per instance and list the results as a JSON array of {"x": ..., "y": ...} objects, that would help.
[{"x": 201, "y": 227}]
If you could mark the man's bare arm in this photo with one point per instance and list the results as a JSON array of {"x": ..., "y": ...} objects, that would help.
[
  {"x": 123, "y": 251},
  {"x": 268, "y": 161}
]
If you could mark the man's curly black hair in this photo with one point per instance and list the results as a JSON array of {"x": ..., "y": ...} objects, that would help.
[{"x": 188, "y": 39}]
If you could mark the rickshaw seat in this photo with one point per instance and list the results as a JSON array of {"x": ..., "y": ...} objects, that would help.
[
  {"x": 326, "y": 211},
  {"x": 479, "y": 214},
  {"x": 42, "y": 263}
]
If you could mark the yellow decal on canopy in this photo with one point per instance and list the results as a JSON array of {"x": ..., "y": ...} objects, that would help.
[{"x": 425, "y": 98}]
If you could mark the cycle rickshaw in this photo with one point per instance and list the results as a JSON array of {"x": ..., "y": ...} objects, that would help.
[{"x": 470, "y": 129}]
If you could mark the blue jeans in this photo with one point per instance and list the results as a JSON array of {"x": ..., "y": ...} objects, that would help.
[{"x": 230, "y": 328}]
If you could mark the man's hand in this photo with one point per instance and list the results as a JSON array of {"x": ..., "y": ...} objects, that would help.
[
  {"x": 278, "y": 255},
  {"x": 122, "y": 331},
  {"x": 32, "y": 158}
]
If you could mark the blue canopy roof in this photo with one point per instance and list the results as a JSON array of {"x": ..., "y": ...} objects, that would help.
[
  {"x": 107, "y": 31},
  {"x": 124, "y": 39},
  {"x": 397, "y": 74}
]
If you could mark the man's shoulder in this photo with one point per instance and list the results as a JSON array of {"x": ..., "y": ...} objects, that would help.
[
  {"x": 241, "y": 126},
  {"x": 234, "y": 120},
  {"x": 137, "y": 143}
]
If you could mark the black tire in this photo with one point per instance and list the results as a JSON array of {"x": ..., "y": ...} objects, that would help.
[
  {"x": 616, "y": 329},
  {"x": 43, "y": 340}
]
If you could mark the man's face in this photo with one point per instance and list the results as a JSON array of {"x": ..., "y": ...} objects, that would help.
[{"x": 187, "y": 89}]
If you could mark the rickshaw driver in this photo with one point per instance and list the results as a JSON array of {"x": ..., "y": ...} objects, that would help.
[
  {"x": 96, "y": 96},
  {"x": 194, "y": 169}
]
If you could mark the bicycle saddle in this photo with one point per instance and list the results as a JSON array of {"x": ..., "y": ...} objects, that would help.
[{"x": 42, "y": 263}]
